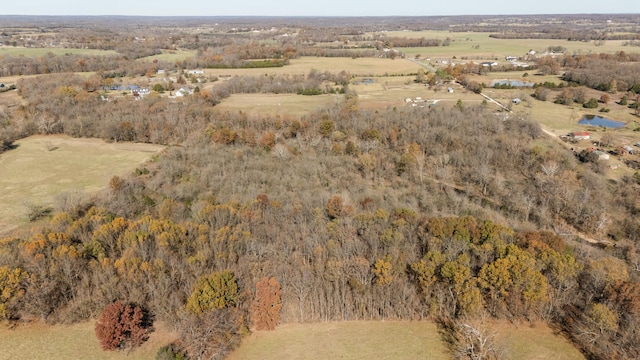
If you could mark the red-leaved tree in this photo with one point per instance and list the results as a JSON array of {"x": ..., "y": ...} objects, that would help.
[
  {"x": 122, "y": 326},
  {"x": 267, "y": 305}
]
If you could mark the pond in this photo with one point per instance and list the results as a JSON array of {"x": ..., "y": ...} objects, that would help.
[
  {"x": 512, "y": 83},
  {"x": 596, "y": 120}
]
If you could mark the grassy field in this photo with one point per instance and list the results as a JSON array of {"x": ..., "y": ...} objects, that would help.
[
  {"x": 303, "y": 65},
  {"x": 170, "y": 56},
  {"x": 391, "y": 340},
  {"x": 41, "y": 167},
  {"x": 36, "y": 52},
  {"x": 349, "y": 340},
  {"x": 276, "y": 104},
  {"x": 480, "y": 45},
  {"x": 394, "y": 340},
  {"x": 532, "y": 342},
  {"x": 69, "y": 342}
]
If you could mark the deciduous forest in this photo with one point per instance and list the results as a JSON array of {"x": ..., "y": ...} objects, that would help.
[{"x": 247, "y": 221}]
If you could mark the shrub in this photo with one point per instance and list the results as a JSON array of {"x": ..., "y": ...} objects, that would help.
[
  {"x": 122, "y": 326},
  {"x": 170, "y": 352},
  {"x": 591, "y": 104},
  {"x": 623, "y": 101}
]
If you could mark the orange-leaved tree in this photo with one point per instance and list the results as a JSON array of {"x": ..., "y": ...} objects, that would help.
[{"x": 267, "y": 305}]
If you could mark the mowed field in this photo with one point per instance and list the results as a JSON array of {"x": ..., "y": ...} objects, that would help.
[
  {"x": 276, "y": 104},
  {"x": 36, "y": 52},
  {"x": 476, "y": 45},
  {"x": 72, "y": 342},
  {"x": 42, "y": 167},
  {"x": 394, "y": 340},
  {"x": 303, "y": 65}
]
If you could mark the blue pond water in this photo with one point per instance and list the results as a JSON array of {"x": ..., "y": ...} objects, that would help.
[
  {"x": 596, "y": 120},
  {"x": 514, "y": 83}
]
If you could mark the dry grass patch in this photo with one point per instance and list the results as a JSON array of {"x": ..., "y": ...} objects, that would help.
[
  {"x": 78, "y": 341},
  {"x": 303, "y": 65},
  {"x": 276, "y": 104},
  {"x": 532, "y": 342},
  {"x": 396, "y": 340},
  {"x": 345, "y": 340},
  {"x": 42, "y": 167},
  {"x": 477, "y": 45},
  {"x": 37, "y": 52},
  {"x": 171, "y": 56}
]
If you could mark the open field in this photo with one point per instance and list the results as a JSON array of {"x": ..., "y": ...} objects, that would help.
[
  {"x": 36, "y": 52},
  {"x": 170, "y": 56},
  {"x": 303, "y": 65},
  {"x": 532, "y": 342},
  {"x": 276, "y": 104},
  {"x": 42, "y": 167},
  {"x": 77, "y": 341},
  {"x": 347, "y": 340},
  {"x": 392, "y": 91},
  {"x": 476, "y": 45},
  {"x": 394, "y": 340}
]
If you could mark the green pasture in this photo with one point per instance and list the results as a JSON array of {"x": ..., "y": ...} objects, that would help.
[
  {"x": 42, "y": 167},
  {"x": 37, "y": 52},
  {"x": 171, "y": 56}
]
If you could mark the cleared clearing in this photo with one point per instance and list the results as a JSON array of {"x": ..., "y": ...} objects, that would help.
[
  {"x": 346, "y": 340},
  {"x": 36, "y": 52},
  {"x": 535, "y": 341},
  {"x": 303, "y": 65},
  {"x": 42, "y": 167},
  {"x": 395, "y": 340},
  {"x": 39, "y": 342},
  {"x": 476, "y": 45},
  {"x": 276, "y": 104}
]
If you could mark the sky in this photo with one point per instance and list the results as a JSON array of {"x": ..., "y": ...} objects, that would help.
[{"x": 315, "y": 8}]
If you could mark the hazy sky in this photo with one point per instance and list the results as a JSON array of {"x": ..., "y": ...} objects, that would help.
[{"x": 314, "y": 8}]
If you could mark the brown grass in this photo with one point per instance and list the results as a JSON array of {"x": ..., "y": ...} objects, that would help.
[
  {"x": 395, "y": 340},
  {"x": 39, "y": 341},
  {"x": 303, "y": 65},
  {"x": 42, "y": 167},
  {"x": 535, "y": 341},
  {"x": 276, "y": 104},
  {"x": 347, "y": 340}
]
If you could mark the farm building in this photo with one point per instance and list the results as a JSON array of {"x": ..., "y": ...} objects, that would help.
[
  {"x": 601, "y": 155},
  {"x": 580, "y": 135}
]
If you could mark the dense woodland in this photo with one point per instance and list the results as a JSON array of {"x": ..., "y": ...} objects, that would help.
[{"x": 449, "y": 214}]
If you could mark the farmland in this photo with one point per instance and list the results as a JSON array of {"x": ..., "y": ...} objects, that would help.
[
  {"x": 256, "y": 191},
  {"x": 43, "y": 168}
]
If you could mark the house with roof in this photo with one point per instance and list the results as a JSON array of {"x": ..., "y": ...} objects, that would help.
[{"x": 580, "y": 135}]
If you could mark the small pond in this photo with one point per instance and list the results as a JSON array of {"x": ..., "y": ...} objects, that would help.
[
  {"x": 513, "y": 83},
  {"x": 596, "y": 120}
]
